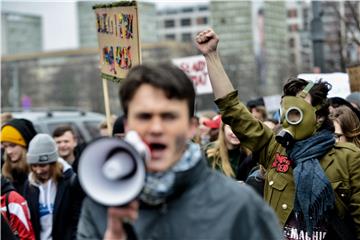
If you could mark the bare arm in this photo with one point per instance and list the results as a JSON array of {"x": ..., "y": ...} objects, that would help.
[{"x": 207, "y": 42}]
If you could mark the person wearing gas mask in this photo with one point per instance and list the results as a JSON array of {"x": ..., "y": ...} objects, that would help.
[{"x": 312, "y": 183}]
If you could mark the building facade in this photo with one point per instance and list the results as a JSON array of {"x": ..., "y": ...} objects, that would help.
[
  {"x": 299, "y": 37},
  {"x": 253, "y": 44},
  {"x": 87, "y": 23},
  {"x": 342, "y": 34},
  {"x": 181, "y": 24},
  {"x": 20, "y": 33}
]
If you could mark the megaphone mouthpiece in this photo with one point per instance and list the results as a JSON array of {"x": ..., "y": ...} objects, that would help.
[
  {"x": 119, "y": 166},
  {"x": 111, "y": 171}
]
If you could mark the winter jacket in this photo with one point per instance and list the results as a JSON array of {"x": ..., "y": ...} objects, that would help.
[
  {"x": 240, "y": 163},
  {"x": 19, "y": 213},
  {"x": 204, "y": 205},
  {"x": 66, "y": 207},
  {"x": 341, "y": 164}
]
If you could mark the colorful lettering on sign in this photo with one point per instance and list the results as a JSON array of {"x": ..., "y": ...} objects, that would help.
[
  {"x": 102, "y": 23},
  {"x": 120, "y": 24},
  {"x": 199, "y": 66},
  {"x": 123, "y": 57},
  {"x": 108, "y": 56},
  {"x": 125, "y": 25},
  {"x": 196, "y": 71}
]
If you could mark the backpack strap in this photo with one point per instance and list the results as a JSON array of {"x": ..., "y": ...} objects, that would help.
[{"x": 7, "y": 206}]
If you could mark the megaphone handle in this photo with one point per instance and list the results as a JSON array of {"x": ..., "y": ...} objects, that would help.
[{"x": 130, "y": 232}]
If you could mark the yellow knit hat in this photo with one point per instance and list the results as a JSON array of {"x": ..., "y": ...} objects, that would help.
[{"x": 12, "y": 135}]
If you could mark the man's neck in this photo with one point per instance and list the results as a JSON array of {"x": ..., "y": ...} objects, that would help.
[{"x": 70, "y": 159}]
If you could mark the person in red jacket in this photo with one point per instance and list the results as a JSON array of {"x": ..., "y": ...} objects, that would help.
[{"x": 15, "y": 211}]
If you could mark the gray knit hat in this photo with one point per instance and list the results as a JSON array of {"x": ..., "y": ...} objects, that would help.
[
  {"x": 42, "y": 150},
  {"x": 354, "y": 97}
]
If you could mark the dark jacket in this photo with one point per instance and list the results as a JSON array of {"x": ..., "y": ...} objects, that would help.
[
  {"x": 66, "y": 208},
  {"x": 341, "y": 164},
  {"x": 240, "y": 162},
  {"x": 205, "y": 205},
  {"x": 19, "y": 180}
]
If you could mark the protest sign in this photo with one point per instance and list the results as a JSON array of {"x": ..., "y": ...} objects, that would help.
[
  {"x": 195, "y": 68},
  {"x": 354, "y": 77},
  {"x": 339, "y": 82},
  {"x": 118, "y": 37}
]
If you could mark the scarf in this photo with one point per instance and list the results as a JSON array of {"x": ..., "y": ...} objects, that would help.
[
  {"x": 158, "y": 186},
  {"x": 314, "y": 196}
]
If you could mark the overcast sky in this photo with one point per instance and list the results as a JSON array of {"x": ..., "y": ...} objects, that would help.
[{"x": 60, "y": 21}]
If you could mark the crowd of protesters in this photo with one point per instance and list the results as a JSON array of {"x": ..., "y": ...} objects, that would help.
[{"x": 204, "y": 167}]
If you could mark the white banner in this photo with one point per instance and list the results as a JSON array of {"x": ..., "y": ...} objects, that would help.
[
  {"x": 339, "y": 81},
  {"x": 196, "y": 69}
]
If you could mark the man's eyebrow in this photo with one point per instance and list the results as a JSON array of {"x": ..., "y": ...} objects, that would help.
[{"x": 170, "y": 113}]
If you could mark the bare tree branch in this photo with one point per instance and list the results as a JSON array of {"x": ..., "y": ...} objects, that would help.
[{"x": 354, "y": 14}]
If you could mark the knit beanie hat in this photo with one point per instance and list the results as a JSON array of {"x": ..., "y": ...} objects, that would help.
[
  {"x": 12, "y": 135},
  {"x": 354, "y": 97},
  {"x": 42, "y": 150},
  {"x": 22, "y": 127}
]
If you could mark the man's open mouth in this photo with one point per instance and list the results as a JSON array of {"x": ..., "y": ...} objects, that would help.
[{"x": 157, "y": 149}]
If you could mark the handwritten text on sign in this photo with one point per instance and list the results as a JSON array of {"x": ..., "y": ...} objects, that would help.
[
  {"x": 195, "y": 68},
  {"x": 118, "y": 39}
]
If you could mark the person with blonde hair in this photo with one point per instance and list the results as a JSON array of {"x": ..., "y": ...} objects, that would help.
[
  {"x": 15, "y": 137},
  {"x": 228, "y": 156},
  {"x": 51, "y": 191},
  {"x": 347, "y": 125}
]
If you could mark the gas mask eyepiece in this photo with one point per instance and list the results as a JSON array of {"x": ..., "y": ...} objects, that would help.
[{"x": 294, "y": 115}]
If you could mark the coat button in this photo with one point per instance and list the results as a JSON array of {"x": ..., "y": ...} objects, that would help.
[
  {"x": 271, "y": 183},
  {"x": 284, "y": 206}
]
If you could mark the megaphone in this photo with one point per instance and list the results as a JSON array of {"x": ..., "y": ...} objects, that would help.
[{"x": 112, "y": 171}]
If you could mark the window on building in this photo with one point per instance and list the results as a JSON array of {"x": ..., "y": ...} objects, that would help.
[
  {"x": 292, "y": 58},
  {"x": 186, "y": 10},
  {"x": 293, "y": 28},
  {"x": 185, "y": 22},
  {"x": 291, "y": 43},
  {"x": 292, "y": 13},
  {"x": 170, "y": 36},
  {"x": 203, "y": 8},
  {"x": 201, "y": 20},
  {"x": 186, "y": 37},
  {"x": 169, "y": 23}
]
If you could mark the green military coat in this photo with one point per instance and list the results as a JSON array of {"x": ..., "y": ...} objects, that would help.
[{"x": 341, "y": 164}]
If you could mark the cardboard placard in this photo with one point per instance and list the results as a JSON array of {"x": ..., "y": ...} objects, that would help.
[
  {"x": 195, "y": 68},
  {"x": 118, "y": 37},
  {"x": 354, "y": 77},
  {"x": 339, "y": 82}
]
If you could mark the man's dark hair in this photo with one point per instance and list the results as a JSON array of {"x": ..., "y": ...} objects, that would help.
[
  {"x": 167, "y": 77},
  {"x": 62, "y": 129},
  {"x": 318, "y": 95}
]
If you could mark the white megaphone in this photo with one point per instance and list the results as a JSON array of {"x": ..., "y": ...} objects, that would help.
[{"x": 112, "y": 171}]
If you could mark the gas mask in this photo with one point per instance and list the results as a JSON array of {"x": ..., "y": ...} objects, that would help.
[{"x": 298, "y": 118}]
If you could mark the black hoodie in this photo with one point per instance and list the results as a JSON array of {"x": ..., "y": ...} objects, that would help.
[{"x": 6, "y": 186}]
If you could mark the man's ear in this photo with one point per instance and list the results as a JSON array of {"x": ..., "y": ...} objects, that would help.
[
  {"x": 76, "y": 140},
  {"x": 192, "y": 127},
  {"x": 319, "y": 121},
  {"x": 126, "y": 127}
]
